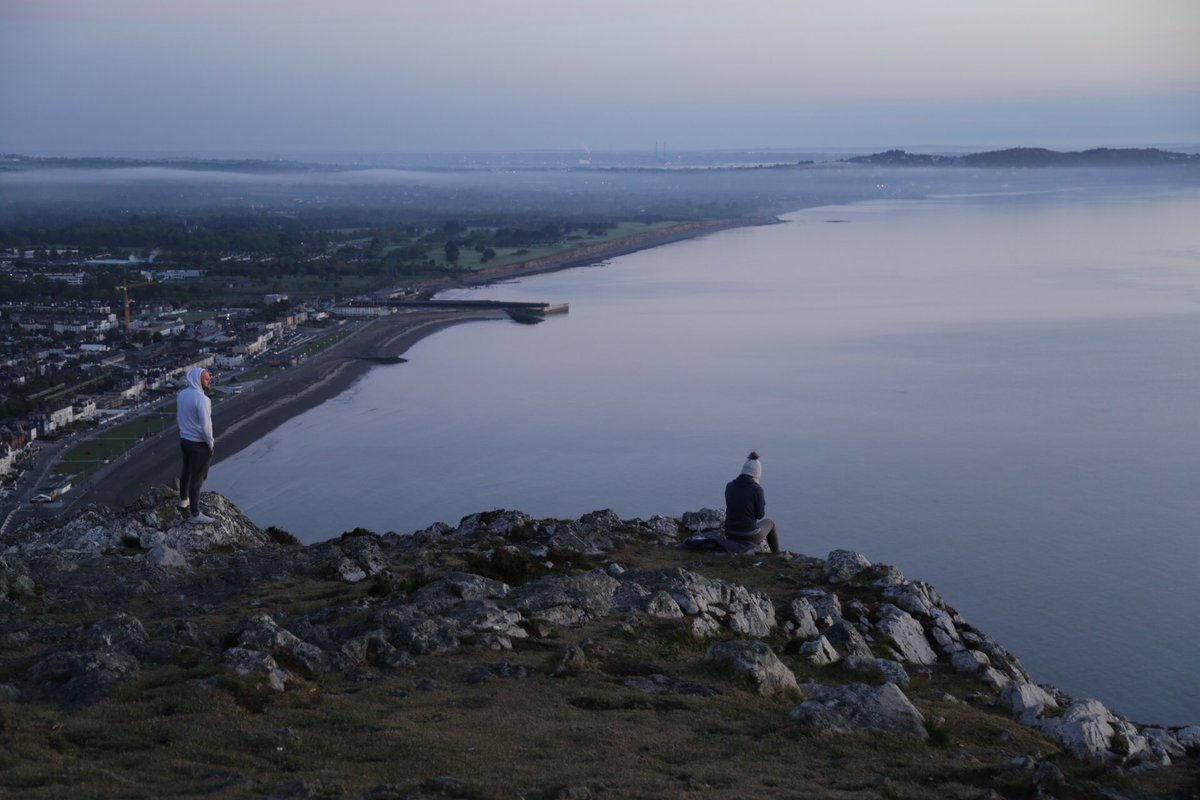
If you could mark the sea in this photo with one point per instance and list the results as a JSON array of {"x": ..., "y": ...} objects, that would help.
[{"x": 996, "y": 391}]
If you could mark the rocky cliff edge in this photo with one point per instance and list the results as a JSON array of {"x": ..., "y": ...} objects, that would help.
[{"x": 601, "y": 617}]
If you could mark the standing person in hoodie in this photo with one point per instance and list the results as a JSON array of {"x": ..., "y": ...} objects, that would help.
[
  {"x": 746, "y": 507},
  {"x": 194, "y": 415}
]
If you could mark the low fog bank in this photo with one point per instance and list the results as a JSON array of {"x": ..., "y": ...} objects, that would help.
[{"x": 60, "y": 194}]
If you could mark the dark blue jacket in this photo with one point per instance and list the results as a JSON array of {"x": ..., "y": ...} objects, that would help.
[{"x": 745, "y": 504}]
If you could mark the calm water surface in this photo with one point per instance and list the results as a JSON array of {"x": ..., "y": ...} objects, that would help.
[{"x": 999, "y": 394}]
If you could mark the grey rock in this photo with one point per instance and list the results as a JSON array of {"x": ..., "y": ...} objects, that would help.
[
  {"x": 906, "y": 635},
  {"x": 854, "y": 708},
  {"x": 993, "y": 678},
  {"x": 496, "y": 523},
  {"x": 564, "y": 601},
  {"x": 888, "y": 575},
  {"x": 755, "y": 663},
  {"x": 819, "y": 652},
  {"x": 348, "y": 570},
  {"x": 742, "y": 611},
  {"x": 261, "y": 632},
  {"x": 1094, "y": 734},
  {"x": 969, "y": 661},
  {"x": 848, "y": 640},
  {"x": 604, "y": 519},
  {"x": 456, "y": 587},
  {"x": 706, "y": 519},
  {"x": 1189, "y": 737},
  {"x": 915, "y": 597},
  {"x": 1026, "y": 700},
  {"x": 167, "y": 557},
  {"x": 426, "y": 631},
  {"x": 662, "y": 606},
  {"x": 825, "y": 604},
  {"x": 253, "y": 662},
  {"x": 843, "y": 565},
  {"x": 364, "y": 550},
  {"x": 892, "y": 671},
  {"x": 800, "y": 611},
  {"x": 1164, "y": 745},
  {"x": 943, "y": 630}
]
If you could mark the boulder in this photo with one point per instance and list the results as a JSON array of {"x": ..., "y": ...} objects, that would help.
[
  {"x": 826, "y": 605},
  {"x": 167, "y": 557},
  {"x": 455, "y": 588},
  {"x": 741, "y": 610},
  {"x": 755, "y": 663},
  {"x": 497, "y": 523},
  {"x": 1093, "y": 733},
  {"x": 562, "y": 600},
  {"x": 1164, "y": 745},
  {"x": 1026, "y": 700},
  {"x": 906, "y": 634},
  {"x": 605, "y": 519},
  {"x": 892, "y": 671},
  {"x": 803, "y": 616},
  {"x": 847, "y": 639},
  {"x": 969, "y": 661},
  {"x": 843, "y": 565},
  {"x": 706, "y": 519},
  {"x": 819, "y": 652},
  {"x": 855, "y": 708},
  {"x": 253, "y": 662},
  {"x": 260, "y": 632},
  {"x": 915, "y": 597},
  {"x": 1189, "y": 737}
]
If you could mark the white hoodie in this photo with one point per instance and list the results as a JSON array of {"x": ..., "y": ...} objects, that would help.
[{"x": 194, "y": 411}]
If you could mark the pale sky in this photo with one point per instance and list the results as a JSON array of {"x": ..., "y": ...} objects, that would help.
[{"x": 281, "y": 77}]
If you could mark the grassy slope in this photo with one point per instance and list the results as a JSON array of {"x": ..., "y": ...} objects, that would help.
[{"x": 190, "y": 730}]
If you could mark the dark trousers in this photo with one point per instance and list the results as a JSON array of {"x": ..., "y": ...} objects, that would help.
[
  {"x": 196, "y": 457},
  {"x": 766, "y": 530}
]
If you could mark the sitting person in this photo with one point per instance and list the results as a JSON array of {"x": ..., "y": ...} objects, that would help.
[{"x": 746, "y": 507}]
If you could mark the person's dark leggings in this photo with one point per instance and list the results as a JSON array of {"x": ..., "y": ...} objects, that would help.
[
  {"x": 766, "y": 530},
  {"x": 196, "y": 457}
]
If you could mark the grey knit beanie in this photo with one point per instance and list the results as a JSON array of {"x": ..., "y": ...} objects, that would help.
[{"x": 752, "y": 467}]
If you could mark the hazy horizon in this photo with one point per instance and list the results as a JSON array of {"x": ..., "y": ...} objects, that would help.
[{"x": 274, "y": 79}]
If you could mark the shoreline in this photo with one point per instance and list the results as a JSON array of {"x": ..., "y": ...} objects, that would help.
[{"x": 243, "y": 419}]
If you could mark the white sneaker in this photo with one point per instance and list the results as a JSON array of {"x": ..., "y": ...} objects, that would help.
[
  {"x": 182, "y": 503},
  {"x": 201, "y": 519}
]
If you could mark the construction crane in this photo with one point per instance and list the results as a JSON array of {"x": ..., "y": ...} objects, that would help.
[{"x": 125, "y": 287}]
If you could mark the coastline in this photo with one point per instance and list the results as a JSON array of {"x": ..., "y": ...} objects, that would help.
[{"x": 245, "y": 418}]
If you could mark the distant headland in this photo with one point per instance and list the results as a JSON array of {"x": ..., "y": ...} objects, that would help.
[{"x": 1033, "y": 157}]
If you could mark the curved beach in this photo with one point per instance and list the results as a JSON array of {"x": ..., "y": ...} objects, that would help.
[{"x": 243, "y": 419}]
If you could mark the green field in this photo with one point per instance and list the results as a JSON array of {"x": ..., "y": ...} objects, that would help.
[
  {"x": 468, "y": 259},
  {"x": 86, "y": 457}
]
